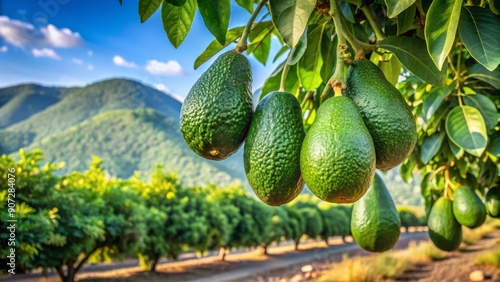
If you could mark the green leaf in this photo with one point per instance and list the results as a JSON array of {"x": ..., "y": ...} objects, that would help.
[
  {"x": 214, "y": 47},
  {"x": 329, "y": 55},
  {"x": 412, "y": 53},
  {"x": 479, "y": 32},
  {"x": 430, "y": 146},
  {"x": 406, "y": 20},
  {"x": 491, "y": 77},
  {"x": 494, "y": 146},
  {"x": 494, "y": 6},
  {"x": 346, "y": 11},
  {"x": 282, "y": 51},
  {"x": 215, "y": 14},
  {"x": 290, "y": 18},
  {"x": 465, "y": 127},
  {"x": 148, "y": 8},
  {"x": 246, "y": 4},
  {"x": 309, "y": 66},
  {"x": 298, "y": 50},
  {"x": 434, "y": 100},
  {"x": 260, "y": 41},
  {"x": 395, "y": 7},
  {"x": 390, "y": 66},
  {"x": 457, "y": 151},
  {"x": 485, "y": 106},
  {"x": 406, "y": 169},
  {"x": 441, "y": 27},
  {"x": 176, "y": 2},
  {"x": 177, "y": 20}
]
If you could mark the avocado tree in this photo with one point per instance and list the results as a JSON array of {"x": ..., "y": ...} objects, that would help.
[{"x": 443, "y": 55}]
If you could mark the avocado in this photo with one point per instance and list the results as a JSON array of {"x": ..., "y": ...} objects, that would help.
[
  {"x": 468, "y": 208},
  {"x": 337, "y": 159},
  {"x": 444, "y": 230},
  {"x": 492, "y": 202},
  {"x": 385, "y": 112},
  {"x": 217, "y": 111},
  {"x": 272, "y": 149},
  {"x": 375, "y": 222}
]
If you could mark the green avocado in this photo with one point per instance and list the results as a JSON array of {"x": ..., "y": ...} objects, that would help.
[
  {"x": 375, "y": 222},
  {"x": 272, "y": 149},
  {"x": 385, "y": 112},
  {"x": 468, "y": 208},
  {"x": 444, "y": 230},
  {"x": 337, "y": 159},
  {"x": 492, "y": 202},
  {"x": 217, "y": 111}
]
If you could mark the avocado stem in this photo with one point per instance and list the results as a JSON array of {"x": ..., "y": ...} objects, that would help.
[
  {"x": 241, "y": 46},
  {"x": 286, "y": 67},
  {"x": 370, "y": 16}
]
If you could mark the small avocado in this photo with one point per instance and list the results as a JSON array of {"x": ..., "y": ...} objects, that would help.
[
  {"x": 492, "y": 202},
  {"x": 337, "y": 159},
  {"x": 444, "y": 230},
  {"x": 375, "y": 222},
  {"x": 272, "y": 149},
  {"x": 217, "y": 111},
  {"x": 385, "y": 112},
  {"x": 468, "y": 208}
]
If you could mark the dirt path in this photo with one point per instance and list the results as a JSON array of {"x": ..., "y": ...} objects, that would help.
[{"x": 459, "y": 264}]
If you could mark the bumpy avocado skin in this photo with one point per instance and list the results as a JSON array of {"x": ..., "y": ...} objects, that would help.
[
  {"x": 492, "y": 202},
  {"x": 217, "y": 112},
  {"x": 337, "y": 159},
  {"x": 272, "y": 149},
  {"x": 444, "y": 230},
  {"x": 375, "y": 222},
  {"x": 385, "y": 112},
  {"x": 468, "y": 208}
]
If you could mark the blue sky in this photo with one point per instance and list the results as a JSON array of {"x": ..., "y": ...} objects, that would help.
[{"x": 74, "y": 43}]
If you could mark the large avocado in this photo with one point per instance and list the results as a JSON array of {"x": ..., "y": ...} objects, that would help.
[
  {"x": 444, "y": 230},
  {"x": 272, "y": 149},
  {"x": 492, "y": 202},
  {"x": 375, "y": 222},
  {"x": 218, "y": 109},
  {"x": 468, "y": 208},
  {"x": 385, "y": 112},
  {"x": 337, "y": 159}
]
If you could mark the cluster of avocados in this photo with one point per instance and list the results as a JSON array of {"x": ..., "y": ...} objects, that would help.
[
  {"x": 447, "y": 216},
  {"x": 370, "y": 126}
]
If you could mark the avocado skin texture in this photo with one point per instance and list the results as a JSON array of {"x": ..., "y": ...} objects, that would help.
[
  {"x": 337, "y": 159},
  {"x": 468, "y": 208},
  {"x": 272, "y": 149},
  {"x": 217, "y": 112},
  {"x": 385, "y": 112},
  {"x": 492, "y": 202},
  {"x": 375, "y": 222},
  {"x": 444, "y": 230}
]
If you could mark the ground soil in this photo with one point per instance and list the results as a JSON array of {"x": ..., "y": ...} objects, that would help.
[{"x": 283, "y": 264}]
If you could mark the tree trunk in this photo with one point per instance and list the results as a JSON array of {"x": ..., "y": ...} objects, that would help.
[
  {"x": 343, "y": 239},
  {"x": 152, "y": 266},
  {"x": 297, "y": 244},
  {"x": 222, "y": 254},
  {"x": 263, "y": 249},
  {"x": 60, "y": 272},
  {"x": 406, "y": 229},
  {"x": 70, "y": 277},
  {"x": 326, "y": 242}
]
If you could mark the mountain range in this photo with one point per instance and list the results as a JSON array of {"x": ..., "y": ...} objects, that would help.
[{"x": 129, "y": 125}]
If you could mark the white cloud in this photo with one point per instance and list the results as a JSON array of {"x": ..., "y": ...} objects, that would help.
[
  {"x": 120, "y": 61},
  {"x": 77, "y": 61},
  {"x": 3, "y": 49},
  {"x": 45, "y": 52},
  {"x": 161, "y": 68},
  {"x": 20, "y": 34},
  {"x": 90, "y": 53},
  {"x": 90, "y": 67},
  {"x": 162, "y": 88}
]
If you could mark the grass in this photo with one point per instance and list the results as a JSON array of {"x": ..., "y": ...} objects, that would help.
[
  {"x": 491, "y": 259},
  {"x": 471, "y": 236},
  {"x": 367, "y": 269},
  {"x": 388, "y": 265}
]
